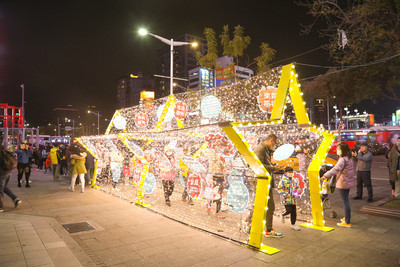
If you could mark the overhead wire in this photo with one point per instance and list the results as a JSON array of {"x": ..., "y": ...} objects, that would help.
[{"x": 345, "y": 68}]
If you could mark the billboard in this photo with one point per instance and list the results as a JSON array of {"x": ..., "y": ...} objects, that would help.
[{"x": 225, "y": 76}]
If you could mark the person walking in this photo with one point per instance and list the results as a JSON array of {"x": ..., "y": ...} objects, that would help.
[
  {"x": 394, "y": 168},
  {"x": 344, "y": 171},
  {"x": 5, "y": 176},
  {"x": 55, "y": 156},
  {"x": 78, "y": 159},
  {"x": 364, "y": 161},
  {"x": 24, "y": 164},
  {"x": 264, "y": 152}
]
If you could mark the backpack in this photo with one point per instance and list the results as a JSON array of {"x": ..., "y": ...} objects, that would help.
[{"x": 8, "y": 162}]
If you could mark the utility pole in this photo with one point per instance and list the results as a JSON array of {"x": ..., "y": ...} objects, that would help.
[{"x": 23, "y": 111}]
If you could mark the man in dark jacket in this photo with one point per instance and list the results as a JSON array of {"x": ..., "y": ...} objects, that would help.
[
  {"x": 264, "y": 152},
  {"x": 364, "y": 160},
  {"x": 5, "y": 176},
  {"x": 89, "y": 164}
]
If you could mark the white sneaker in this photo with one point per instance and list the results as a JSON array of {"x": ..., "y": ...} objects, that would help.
[
  {"x": 295, "y": 227},
  {"x": 71, "y": 188},
  {"x": 282, "y": 218}
]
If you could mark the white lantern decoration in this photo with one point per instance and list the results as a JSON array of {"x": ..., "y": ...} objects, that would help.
[
  {"x": 149, "y": 183},
  {"x": 238, "y": 197},
  {"x": 210, "y": 106},
  {"x": 283, "y": 152},
  {"x": 120, "y": 122}
]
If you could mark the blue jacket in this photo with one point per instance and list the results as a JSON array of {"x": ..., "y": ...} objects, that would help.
[{"x": 23, "y": 155}]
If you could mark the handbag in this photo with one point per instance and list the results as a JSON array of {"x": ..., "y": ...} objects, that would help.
[{"x": 332, "y": 182}]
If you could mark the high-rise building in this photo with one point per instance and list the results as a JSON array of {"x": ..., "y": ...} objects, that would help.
[
  {"x": 184, "y": 60},
  {"x": 201, "y": 78},
  {"x": 129, "y": 88}
]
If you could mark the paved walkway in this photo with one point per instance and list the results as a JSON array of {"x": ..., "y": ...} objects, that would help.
[{"x": 128, "y": 235}]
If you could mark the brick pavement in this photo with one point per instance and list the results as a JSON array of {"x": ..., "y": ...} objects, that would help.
[{"x": 128, "y": 235}]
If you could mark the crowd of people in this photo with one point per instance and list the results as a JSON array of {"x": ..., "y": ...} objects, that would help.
[
  {"x": 66, "y": 160},
  {"x": 74, "y": 161}
]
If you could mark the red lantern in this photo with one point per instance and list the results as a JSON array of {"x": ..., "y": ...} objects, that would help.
[
  {"x": 141, "y": 119},
  {"x": 194, "y": 185},
  {"x": 266, "y": 98},
  {"x": 180, "y": 110}
]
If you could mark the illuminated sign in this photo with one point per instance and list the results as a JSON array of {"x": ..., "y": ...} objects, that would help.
[
  {"x": 147, "y": 95},
  {"x": 206, "y": 78},
  {"x": 225, "y": 76}
]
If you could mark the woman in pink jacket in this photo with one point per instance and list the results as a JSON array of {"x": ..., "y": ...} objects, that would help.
[{"x": 344, "y": 170}]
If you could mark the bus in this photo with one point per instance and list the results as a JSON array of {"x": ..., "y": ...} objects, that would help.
[{"x": 380, "y": 134}]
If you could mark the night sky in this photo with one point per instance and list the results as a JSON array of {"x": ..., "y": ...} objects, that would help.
[{"x": 72, "y": 52}]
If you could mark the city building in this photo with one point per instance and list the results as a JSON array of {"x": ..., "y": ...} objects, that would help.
[
  {"x": 226, "y": 72},
  {"x": 184, "y": 60},
  {"x": 129, "y": 88},
  {"x": 201, "y": 78}
]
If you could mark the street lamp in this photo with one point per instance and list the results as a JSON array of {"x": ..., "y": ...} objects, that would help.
[
  {"x": 171, "y": 43},
  {"x": 98, "y": 120},
  {"x": 180, "y": 86}
]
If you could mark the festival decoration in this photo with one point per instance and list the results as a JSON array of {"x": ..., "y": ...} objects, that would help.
[
  {"x": 137, "y": 172},
  {"x": 235, "y": 176},
  {"x": 233, "y": 114},
  {"x": 302, "y": 184},
  {"x": 210, "y": 107},
  {"x": 180, "y": 110},
  {"x": 120, "y": 122},
  {"x": 194, "y": 185},
  {"x": 283, "y": 152},
  {"x": 116, "y": 171},
  {"x": 141, "y": 120},
  {"x": 219, "y": 144},
  {"x": 149, "y": 183},
  {"x": 169, "y": 115},
  {"x": 194, "y": 165},
  {"x": 238, "y": 197},
  {"x": 266, "y": 98}
]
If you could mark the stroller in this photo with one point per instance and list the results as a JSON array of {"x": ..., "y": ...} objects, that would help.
[{"x": 327, "y": 189}]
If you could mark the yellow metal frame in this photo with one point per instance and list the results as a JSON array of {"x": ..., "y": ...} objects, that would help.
[
  {"x": 169, "y": 104},
  {"x": 93, "y": 182},
  {"x": 262, "y": 191},
  {"x": 288, "y": 84},
  {"x": 145, "y": 170}
]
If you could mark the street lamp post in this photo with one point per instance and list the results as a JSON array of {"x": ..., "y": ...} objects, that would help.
[
  {"x": 98, "y": 120},
  {"x": 171, "y": 43}
]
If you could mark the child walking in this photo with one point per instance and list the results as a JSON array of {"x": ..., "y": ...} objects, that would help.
[{"x": 289, "y": 189}]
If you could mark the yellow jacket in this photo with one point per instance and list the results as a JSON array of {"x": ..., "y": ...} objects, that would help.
[
  {"x": 78, "y": 161},
  {"x": 55, "y": 156}
]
